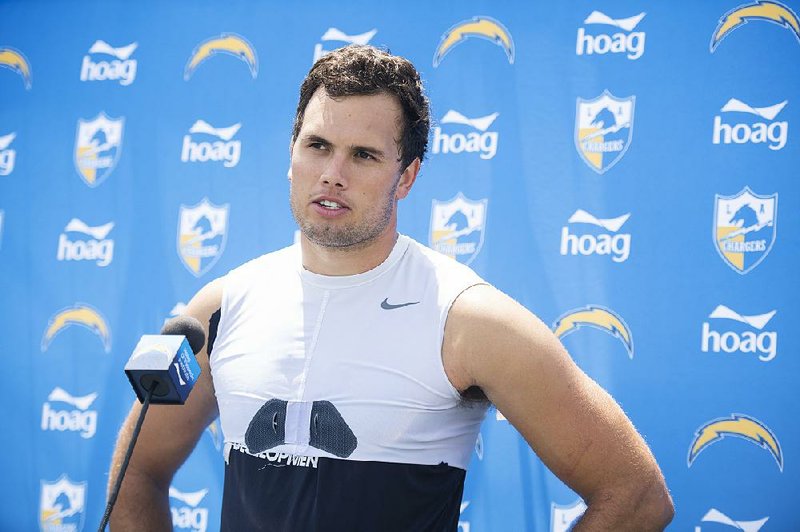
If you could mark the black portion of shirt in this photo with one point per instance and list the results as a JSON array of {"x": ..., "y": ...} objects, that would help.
[
  {"x": 213, "y": 325},
  {"x": 339, "y": 495}
]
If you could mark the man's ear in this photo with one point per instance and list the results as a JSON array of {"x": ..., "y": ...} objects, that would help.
[
  {"x": 407, "y": 179},
  {"x": 291, "y": 149}
]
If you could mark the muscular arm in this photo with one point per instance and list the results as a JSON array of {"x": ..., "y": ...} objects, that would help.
[
  {"x": 571, "y": 423},
  {"x": 168, "y": 435}
]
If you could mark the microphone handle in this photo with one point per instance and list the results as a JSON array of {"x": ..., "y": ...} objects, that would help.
[{"x": 115, "y": 492}]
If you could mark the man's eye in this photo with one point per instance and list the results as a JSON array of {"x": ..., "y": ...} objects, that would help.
[
  {"x": 364, "y": 155},
  {"x": 316, "y": 145}
]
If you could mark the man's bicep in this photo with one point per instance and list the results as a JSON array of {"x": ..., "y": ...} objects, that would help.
[{"x": 573, "y": 425}]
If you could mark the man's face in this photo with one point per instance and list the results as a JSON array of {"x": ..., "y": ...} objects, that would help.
[{"x": 346, "y": 177}]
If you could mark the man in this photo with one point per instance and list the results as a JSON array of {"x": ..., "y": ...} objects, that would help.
[{"x": 368, "y": 358}]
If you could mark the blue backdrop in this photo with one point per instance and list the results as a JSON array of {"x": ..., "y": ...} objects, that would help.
[{"x": 616, "y": 167}]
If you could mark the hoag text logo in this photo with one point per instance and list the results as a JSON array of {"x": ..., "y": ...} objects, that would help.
[
  {"x": 715, "y": 516},
  {"x": 104, "y": 62},
  {"x": 771, "y": 132},
  {"x": 753, "y": 340},
  {"x": 187, "y": 513},
  {"x": 335, "y": 34},
  {"x": 95, "y": 248},
  {"x": 55, "y": 417},
  {"x": 8, "y": 155},
  {"x": 627, "y": 41},
  {"x": 201, "y": 148},
  {"x": 479, "y": 140},
  {"x": 613, "y": 243}
]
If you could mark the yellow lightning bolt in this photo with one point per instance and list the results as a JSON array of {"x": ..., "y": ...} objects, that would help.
[
  {"x": 595, "y": 317},
  {"x": 484, "y": 27},
  {"x": 741, "y": 426},
  {"x": 226, "y": 43},
  {"x": 78, "y": 315},
  {"x": 15, "y": 61},
  {"x": 767, "y": 11}
]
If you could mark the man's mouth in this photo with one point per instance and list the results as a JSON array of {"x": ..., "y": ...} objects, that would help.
[{"x": 330, "y": 204}]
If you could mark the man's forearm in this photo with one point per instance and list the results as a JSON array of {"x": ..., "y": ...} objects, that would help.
[
  {"x": 141, "y": 505},
  {"x": 641, "y": 510}
]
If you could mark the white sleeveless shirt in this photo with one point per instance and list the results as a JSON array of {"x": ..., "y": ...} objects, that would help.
[{"x": 368, "y": 344}]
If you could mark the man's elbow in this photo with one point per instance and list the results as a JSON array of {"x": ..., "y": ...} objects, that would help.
[{"x": 655, "y": 509}]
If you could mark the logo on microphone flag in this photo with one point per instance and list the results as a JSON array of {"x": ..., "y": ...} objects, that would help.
[
  {"x": 62, "y": 505},
  {"x": 202, "y": 233},
  {"x": 98, "y": 144}
]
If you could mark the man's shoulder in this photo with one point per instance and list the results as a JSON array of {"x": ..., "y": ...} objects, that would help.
[
  {"x": 270, "y": 261},
  {"x": 437, "y": 260}
]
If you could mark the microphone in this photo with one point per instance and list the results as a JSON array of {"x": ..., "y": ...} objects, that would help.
[
  {"x": 162, "y": 370},
  {"x": 165, "y": 363}
]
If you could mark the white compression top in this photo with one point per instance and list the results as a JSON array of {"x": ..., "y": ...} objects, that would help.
[{"x": 369, "y": 344}]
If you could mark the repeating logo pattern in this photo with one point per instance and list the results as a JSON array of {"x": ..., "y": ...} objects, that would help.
[
  {"x": 104, "y": 62},
  {"x": 747, "y": 128},
  {"x": 597, "y": 317},
  {"x": 744, "y": 228},
  {"x": 771, "y": 132},
  {"x": 613, "y": 243},
  {"x": 738, "y": 425},
  {"x": 81, "y": 315},
  {"x": 62, "y": 505},
  {"x": 338, "y": 36},
  {"x": 603, "y": 129},
  {"x": 476, "y": 140},
  {"x": 203, "y": 148},
  {"x": 96, "y": 248},
  {"x": 8, "y": 155},
  {"x": 98, "y": 145},
  {"x": 563, "y": 516},
  {"x": 760, "y": 10},
  {"x": 627, "y": 42},
  {"x": 747, "y": 339},
  {"x": 81, "y": 418},
  {"x": 715, "y": 516},
  {"x": 485, "y": 28},
  {"x": 202, "y": 234},
  {"x": 226, "y": 44},
  {"x": 457, "y": 227},
  {"x": 14, "y": 60},
  {"x": 187, "y": 511}
]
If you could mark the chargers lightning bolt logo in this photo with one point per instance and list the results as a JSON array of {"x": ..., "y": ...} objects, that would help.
[
  {"x": 598, "y": 317},
  {"x": 741, "y": 426},
  {"x": 766, "y": 11},
  {"x": 482, "y": 27},
  {"x": 226, "y": 43},
  {"x": 80, "y": 314},
  {"x": 13, "y": 59}
]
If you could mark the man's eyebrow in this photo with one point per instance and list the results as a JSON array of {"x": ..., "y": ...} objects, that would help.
[
  {"x": 314, "y": 138},
  {"x": 376, "y": 152},
  {"x": 369, "y": 149}
]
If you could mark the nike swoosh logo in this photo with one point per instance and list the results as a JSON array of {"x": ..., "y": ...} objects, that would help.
[{"x": 385, "y": 305}]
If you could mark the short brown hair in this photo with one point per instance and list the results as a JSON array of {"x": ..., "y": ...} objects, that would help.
[{"x": 360, "y": 70}]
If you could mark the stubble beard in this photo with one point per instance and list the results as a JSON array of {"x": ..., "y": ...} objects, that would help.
[{"x": 334, "y": 234}]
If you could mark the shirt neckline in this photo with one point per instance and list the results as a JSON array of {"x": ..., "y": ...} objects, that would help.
[{"x": 346, "y": 281}]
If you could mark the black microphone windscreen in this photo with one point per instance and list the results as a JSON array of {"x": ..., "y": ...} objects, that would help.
[{"x": 190, "y": 328}]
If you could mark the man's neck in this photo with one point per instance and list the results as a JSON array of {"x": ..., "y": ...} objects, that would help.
[{"x": 349, "y": 260}]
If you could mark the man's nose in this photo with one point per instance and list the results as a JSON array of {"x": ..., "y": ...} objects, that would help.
[{"x": 334, "y": 173}]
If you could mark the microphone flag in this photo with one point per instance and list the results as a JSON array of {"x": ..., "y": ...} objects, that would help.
[{"x": 167, "y": 361}]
